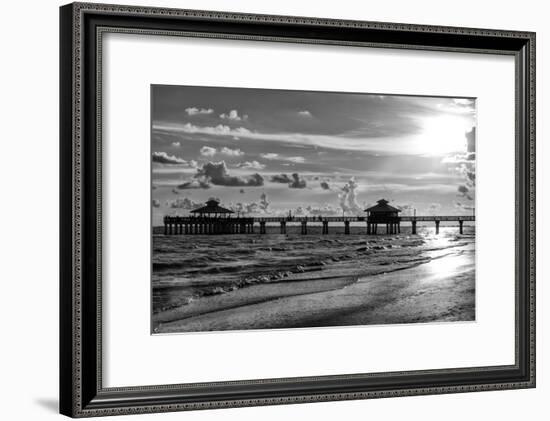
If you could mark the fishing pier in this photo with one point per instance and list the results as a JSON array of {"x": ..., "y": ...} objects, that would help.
[{"x": 213, "y": 219}]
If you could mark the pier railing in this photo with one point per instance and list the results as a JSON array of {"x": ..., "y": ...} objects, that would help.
[{"x": 205, "y": 225}]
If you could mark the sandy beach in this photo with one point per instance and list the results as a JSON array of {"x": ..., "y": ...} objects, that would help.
[{"x": 311, "y": 281}]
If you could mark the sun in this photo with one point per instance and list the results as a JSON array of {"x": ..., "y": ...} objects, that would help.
[{"x": 443, "y": 135}]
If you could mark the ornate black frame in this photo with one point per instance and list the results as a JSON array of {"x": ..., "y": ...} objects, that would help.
[{"x": 81, "y": 390}]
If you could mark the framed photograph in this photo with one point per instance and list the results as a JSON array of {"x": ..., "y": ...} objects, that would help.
[{"x": 260, "y": 210}]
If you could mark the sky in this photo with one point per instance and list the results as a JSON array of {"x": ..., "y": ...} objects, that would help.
[{"x": 268, "y": 152}]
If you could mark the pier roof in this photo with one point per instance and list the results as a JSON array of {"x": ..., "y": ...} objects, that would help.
[
  {"x": 382, "y": 206},
  {"x": 212, "y": 206}
]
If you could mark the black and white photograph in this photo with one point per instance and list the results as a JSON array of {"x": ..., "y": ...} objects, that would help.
[{"x": 294, "y": 209}]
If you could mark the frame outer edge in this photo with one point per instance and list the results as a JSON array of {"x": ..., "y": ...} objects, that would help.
[
  {"x": 67, "y": 382},
  {"x": 71, "y": 198}
]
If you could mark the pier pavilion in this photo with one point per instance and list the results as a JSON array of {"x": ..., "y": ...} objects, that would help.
[
  {"x": 383, "y": 213},
  {"x": 209, "y": 219},
  {"x": 212, "y": 208}
]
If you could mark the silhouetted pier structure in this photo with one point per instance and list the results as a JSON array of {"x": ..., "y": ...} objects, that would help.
[
  {"x": 383, "y": 213},
  {"x": 213, "y": 219}
]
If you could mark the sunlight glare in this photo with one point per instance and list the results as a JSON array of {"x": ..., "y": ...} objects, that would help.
[{"x": 443, "y": 135}]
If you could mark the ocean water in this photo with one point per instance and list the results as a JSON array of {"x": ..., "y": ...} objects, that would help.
[{"x": 197, "y": 280}]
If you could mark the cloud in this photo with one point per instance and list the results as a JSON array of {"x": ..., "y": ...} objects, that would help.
[
  {"x": 367, "y": 143},
  {"x": 465, "y": 165},
  {"x": 297, "y": 182},
  {"x": 280, "y": 178},
  {"x": 304, "y": 113},
  {"x": 194, "y": 184},
  {"x": 294, "y": 181},
  {"x": 348, "y": 197},
  {"x": 231, "y": 152},
  {"x": 243, "y": 208},
  {"x": 253, "y": 165},
  {"x": 259, "y": 207},
  {"x": 325, "y": 210},
  {"x": 463, "y": 101},
  {"x": 176, "y": 144},
  {"x": 216, "y": 173},
  {"x": 208, "y": 151},
  {"x": 275, "y": 156},
  {"x": 233, "y": 115},
  {"x": 464, "y": 192},
  {"x": 325, "y": 185},
  {"x": 407, "y": 209},
  {"x": 463, "y": 207},
  {"x": 197, "y": 111},
  {"x": 184, "y": 203},
  {"x": 156, "y": 203},
  {"x": 164, "y": 158},
  {"x": 264, "y": 203}
]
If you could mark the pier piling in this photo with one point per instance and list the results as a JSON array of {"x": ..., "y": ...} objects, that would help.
[
  {"x": 437, "y": 227},
  {"x": 346, "y": 227},
  {"x": 461, "y": 224}
]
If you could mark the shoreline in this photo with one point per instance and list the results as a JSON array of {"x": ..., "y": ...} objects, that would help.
[{"x": 406, "y": 293}]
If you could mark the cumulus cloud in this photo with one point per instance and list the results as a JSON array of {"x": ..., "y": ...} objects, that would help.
[
  {"x": 156, "y": 203},
  {"x": 176, "y": 144},
  {"x": 294, "y": 181},
  {"x": 164, "y": 158},
  {"x": 465, "y": 165},
  {"x": 216, "y": 173},
  {"x": 243, "y": 208},
  {"x": 270, "y": 155},
  {"x": 233, "y": 115},
  {"x": 219, "y": 130},
  {"x": 407, "y": 209},
  {"x": 197, "y": 111},
  {"x": 231, "y": 152},
  {"x": 304, "y": 113},
  {"x": 297, "y": 182},
  {"x": 255, "y": 207},
  {"x": 464, "y": 191},
  {"x": 208, "y": 151},
  {"x": 280, "y": 178},
  {"x": 251, "y": 165},
  {"x": 264, "y": 203},
  {"x": 184, "y": 203},
  {"x": 348, "y": 197}
]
